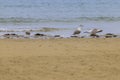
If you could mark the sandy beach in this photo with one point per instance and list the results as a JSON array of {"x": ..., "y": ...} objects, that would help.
[{"x": 60, "y": 59}]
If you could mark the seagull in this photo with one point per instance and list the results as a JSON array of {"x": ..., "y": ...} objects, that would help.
[
  {"x": 27, "y": 32},
  {"x": 78, "y": 30},
  {"x": 93, "y": 32}
]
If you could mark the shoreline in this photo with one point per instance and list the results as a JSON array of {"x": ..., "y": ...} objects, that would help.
[{"x": 28, "y": 35}]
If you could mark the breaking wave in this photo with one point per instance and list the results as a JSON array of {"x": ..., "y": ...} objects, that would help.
[{"x": 34, "y": 20}]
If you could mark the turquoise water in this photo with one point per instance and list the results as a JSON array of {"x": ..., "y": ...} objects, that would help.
[{"x": 35, "y": 14}]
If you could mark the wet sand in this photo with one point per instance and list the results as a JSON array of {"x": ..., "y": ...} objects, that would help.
[{"x": 60, "y": 59}]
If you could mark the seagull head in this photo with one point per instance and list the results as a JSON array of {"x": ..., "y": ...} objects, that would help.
[{"x": 80, "y": 27}]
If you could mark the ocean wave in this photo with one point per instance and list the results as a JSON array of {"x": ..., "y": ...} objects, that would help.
[
  {"x": 43, "y": 29},
  {"x": 34, "y": 20},
  {"x": 99, "y": 18}
]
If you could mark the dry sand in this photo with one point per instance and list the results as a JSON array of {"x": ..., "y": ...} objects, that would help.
[{"x": 60, "y": 59}]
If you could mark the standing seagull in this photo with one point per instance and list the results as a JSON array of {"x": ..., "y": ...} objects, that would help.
[{"x": 78, "y": 30}]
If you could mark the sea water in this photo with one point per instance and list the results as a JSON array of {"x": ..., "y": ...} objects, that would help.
[{"x": 20, "y": 15}]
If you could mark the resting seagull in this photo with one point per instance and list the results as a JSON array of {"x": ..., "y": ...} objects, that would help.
[
  {"x": 78, "y": 30},
  {"x": 93, "y": 32}
]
